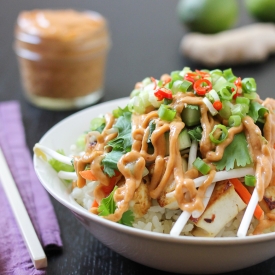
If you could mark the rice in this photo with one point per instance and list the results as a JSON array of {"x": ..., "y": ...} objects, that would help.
[{"x": 159, "y": 219}]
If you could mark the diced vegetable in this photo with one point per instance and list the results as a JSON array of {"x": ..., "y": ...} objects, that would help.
[
  {"x": 166, "y": 113},
  {"x": 184, "y": 140},
  {"x": 88, "y": 175},
  {"x": 201, "y": 166},
  {"x": 250, "y": 180},
  {"x": 222, "y": 136},
  {"x": 234, "y": 121},
  {"x": 191, "y": 115},
  {"x": 246, "y": 196}
]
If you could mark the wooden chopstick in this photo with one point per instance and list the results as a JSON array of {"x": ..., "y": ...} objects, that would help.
[{"x": 32, "y": 242}]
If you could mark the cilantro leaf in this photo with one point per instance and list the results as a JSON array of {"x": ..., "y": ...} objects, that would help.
[
  {"x": 110, "y": 162},
  {"x": 236, "y": 154},
  {"x": 196, "y": 133},
  {"x": 123, "y": 141},
  {"x": 152, "y": 127},
  {"x": 108, "y": 206},
  {"x": 127, "y": 218},
  {"x": 120, "y": 145}
]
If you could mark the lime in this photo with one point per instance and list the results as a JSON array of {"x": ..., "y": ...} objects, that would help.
[
  {"x": 208, "y": 16},
  {"x": 263, "y": 10}
]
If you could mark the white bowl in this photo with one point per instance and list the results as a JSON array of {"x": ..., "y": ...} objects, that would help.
[{"x": 161, "y": 251}]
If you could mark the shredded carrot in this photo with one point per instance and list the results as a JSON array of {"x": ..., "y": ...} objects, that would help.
[
  {"x": 87, "y": 175},
  {"x": 95, "y": 204},
  {"x": 113, "y": 180},
  {"x": 246, "y": 196}
]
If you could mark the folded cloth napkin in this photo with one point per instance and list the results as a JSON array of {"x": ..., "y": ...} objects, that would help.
[{"x": 14, "y": 256}]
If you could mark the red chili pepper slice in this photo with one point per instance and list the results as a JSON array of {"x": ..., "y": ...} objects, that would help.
[
  {"x": 202, "y": 86},
  {"x": 217, "y": 105},
  {"x": 192, "y": 77},
  {"x": 202, "y": 74},
  {"x": 163, "y": 93},
  {"x": 238, "y": 83}
]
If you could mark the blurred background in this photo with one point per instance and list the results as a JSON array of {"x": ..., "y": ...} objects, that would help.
[{"x": 145, "y": 41}]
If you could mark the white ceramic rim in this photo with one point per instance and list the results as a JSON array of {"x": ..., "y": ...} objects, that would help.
[{"x": 134, "y": 231}]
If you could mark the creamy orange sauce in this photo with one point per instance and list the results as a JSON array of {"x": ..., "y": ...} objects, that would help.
[{"x": 169, "y": 168}]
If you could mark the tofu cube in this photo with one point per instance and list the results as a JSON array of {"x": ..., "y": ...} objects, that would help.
[{"x": 223, "y": 206}]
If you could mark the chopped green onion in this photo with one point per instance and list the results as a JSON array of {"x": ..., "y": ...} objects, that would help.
[
  {"x": 242, "y": 100},
  {"x": 201, "y": 166},
  {"x": 181, "y": 86},
  {"x": 166, "y": 113},
  {"x": 229, "y": 76},
  {"x": 185, "y": 86},
  {"x": 234, "y": 121},
  {"x": 214, "y": 95},
  {"x": 249, "y": 85},
  {"x": 223, "y": 135},
  {"x": 175, "y": 75},
  {"x": 209, "y": 106},
  {"x": 135, "y": 105},
  {"x": 250, "y": 95},
  {"x": 135, "y": 92},
  {"x": 250, "y": 180},
  {"x": 225, "y": 91},
  {"x": 219, "y": 83},
  {"x": 225, "y": 112},
  {"x": 240, "y": 110},
  {"x": 257, "y": 111},
  {"x": 215, "y": 74}
]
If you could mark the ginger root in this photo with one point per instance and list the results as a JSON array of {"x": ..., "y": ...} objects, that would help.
[{"x": 251, "y": 43}]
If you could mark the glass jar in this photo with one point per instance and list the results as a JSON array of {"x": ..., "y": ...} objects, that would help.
[{"x": 62, "y": 57}]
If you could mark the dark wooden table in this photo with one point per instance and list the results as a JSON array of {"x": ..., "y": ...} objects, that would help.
[{"x": 145, "y": 42}]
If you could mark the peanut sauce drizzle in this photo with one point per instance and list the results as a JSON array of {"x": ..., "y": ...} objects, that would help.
[{"x": 188, "y": 197}]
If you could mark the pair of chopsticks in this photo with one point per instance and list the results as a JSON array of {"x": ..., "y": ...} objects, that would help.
[{"x": 29, "y": 235}]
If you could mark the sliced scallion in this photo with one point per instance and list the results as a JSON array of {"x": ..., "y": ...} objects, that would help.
[
  {"x": 234, "y": 121},
  {"x": 210, "y": 106},
  {"x": 214, "y": 95},
  {"x": 242, "y": 100},
  {"x": 201, "y": 166},
  {"x": 249, "y": 85},
  {"x": 225, "y": 91},
  {"x": 175, "y": 75},
  {"x": 240, "y": 109},
  {"x": 166, "y": 113},
  {"x": 250, "y": 95},
  {"x": 225, "y": 112},
  {"x": 229, "y": 76},
  {"x": 250, "y": 180},
  {"x": 222, "y": 136}
]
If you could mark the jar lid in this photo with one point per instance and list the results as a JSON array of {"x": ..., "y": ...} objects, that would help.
[{"x": 62, "y": 25}]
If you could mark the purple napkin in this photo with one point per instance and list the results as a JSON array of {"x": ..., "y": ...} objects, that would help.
[{"x": 14, "y": 256}]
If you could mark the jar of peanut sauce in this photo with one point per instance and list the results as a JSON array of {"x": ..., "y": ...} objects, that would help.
[{"x": 62, "y": 57}]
